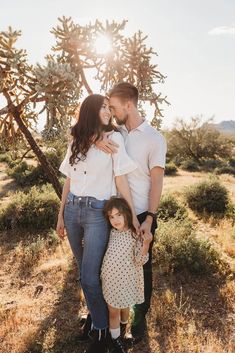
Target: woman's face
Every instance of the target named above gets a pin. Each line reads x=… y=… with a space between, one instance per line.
x=117 y=220
x=105 y=114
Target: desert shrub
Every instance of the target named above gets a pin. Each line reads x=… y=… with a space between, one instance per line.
x=36 y=209
x=170 y=169
x=227 y=169
x=178 y=249
x=189 y=165
x=7 y=158
x=211 y=164
x=208 y=197
x=27 y=175
x=169 y=207
x=232 y=162
x=28 y=254
x=177 y=160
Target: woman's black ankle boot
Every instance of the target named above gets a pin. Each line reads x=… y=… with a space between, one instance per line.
x=99 y=342
x=86 y=328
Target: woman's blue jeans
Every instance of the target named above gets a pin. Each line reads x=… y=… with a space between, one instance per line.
x=88 y=234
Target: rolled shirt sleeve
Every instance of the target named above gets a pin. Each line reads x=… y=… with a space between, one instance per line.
x=65 y=167
x=122 y=163
x=157 y=155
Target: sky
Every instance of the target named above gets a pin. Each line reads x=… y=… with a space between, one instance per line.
x=194 y=39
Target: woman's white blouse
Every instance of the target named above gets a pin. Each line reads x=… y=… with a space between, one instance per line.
x=95 y=176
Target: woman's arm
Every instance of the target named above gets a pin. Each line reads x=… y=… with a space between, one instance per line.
x=124 y=189
x=60 y=221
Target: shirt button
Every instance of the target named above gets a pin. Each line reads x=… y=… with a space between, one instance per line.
x=74 y=169
x=84 y=172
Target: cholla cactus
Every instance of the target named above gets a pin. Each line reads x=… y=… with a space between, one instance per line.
x=58 y=85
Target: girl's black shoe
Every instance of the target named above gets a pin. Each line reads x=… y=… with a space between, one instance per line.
x=118 y=346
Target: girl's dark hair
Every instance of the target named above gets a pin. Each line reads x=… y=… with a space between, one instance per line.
x=88 y=128
x=122 y=206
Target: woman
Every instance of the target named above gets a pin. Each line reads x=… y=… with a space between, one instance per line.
x=92 y=178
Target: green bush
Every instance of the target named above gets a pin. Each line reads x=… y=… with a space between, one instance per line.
x=7 y=158
x=169 y=207
x=225 y=170
x=210 y=164
x=178 y=249
x=189 y=165
x=170 y=169
x=36 y=209
x=208 y=197
x=232 y=162
x=27 y=175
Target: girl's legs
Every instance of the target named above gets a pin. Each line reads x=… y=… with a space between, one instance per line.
x=114 y=317
x=124 y=321
x=125 y=315
x=117 y=316
x=115 y=330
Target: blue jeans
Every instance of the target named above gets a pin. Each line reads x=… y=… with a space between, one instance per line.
x=88 y=234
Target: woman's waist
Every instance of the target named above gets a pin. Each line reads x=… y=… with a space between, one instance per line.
x=80 y=190
x=71 y=197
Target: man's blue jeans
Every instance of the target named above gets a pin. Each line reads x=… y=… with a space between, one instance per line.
x=88 y=234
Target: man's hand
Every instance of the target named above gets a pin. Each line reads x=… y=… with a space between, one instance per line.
x=60 y=229
x=147 y=238
x=107 y=145
x=145 y=227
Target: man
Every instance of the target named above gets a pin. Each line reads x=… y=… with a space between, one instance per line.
x=147 y=147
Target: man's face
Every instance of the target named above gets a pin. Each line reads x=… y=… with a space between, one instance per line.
x=119 y=110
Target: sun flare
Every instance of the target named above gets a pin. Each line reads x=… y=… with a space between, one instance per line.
x=103 y=44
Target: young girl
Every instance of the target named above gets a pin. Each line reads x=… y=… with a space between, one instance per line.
x=122 y=268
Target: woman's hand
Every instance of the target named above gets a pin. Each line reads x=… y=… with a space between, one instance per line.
x=60 y=229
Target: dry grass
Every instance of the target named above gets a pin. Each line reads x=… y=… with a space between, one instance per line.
x=41 y=301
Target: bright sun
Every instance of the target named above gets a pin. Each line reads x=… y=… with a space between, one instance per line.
x=103 y=44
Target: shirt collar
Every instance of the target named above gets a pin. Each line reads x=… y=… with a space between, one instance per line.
x=141 y=127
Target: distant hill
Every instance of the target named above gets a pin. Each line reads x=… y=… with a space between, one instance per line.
x=227 y=126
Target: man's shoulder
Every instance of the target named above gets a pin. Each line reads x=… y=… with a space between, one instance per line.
x=153 y=133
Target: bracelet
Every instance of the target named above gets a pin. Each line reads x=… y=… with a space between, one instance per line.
x=151 y=214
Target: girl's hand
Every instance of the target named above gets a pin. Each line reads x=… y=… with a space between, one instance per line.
x=147 y=238
x=60 y=229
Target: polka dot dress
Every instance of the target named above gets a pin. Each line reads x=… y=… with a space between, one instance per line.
x=122 y=270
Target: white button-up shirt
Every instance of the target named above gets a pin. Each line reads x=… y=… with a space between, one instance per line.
x=95 y=175
x=147 y=148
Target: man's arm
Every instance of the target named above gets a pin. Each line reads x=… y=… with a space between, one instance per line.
x=156 y=175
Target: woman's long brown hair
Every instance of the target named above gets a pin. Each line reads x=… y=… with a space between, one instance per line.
x=88 y=128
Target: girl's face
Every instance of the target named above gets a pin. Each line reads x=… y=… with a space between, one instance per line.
x=117 y=219
x=105 y=114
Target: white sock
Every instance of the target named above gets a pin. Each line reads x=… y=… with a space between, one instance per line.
x=115 y=332
x=124 y=322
